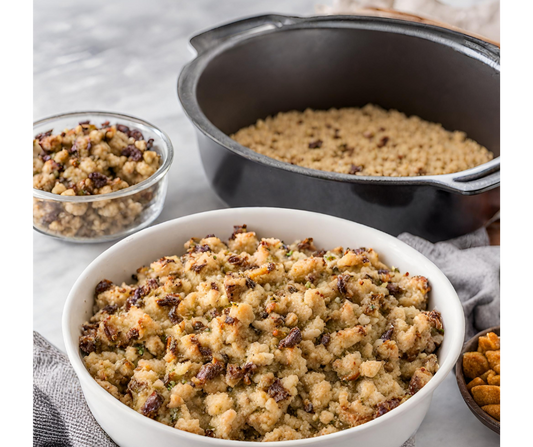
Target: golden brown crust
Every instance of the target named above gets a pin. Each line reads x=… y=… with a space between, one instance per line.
x=261 y=343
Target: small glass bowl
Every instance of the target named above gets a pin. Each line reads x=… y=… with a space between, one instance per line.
x=103 y=217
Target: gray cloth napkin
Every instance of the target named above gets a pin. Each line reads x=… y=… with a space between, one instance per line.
x=61 y=417
x=473 y=268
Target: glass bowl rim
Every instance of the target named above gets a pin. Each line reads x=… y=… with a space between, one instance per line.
x=153 y=179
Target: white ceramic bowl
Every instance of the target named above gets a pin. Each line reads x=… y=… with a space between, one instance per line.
x=130 y=429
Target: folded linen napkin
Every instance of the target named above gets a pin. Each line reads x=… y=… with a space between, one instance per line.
x=61 y=417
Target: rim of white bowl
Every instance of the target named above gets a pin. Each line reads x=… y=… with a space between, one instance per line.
x=83 y=375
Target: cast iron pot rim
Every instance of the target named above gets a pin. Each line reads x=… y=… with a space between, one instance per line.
x=470 y=46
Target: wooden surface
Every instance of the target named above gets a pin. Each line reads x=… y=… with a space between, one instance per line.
x=494 y=232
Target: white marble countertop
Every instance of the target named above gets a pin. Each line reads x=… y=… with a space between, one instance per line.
x=125 y=56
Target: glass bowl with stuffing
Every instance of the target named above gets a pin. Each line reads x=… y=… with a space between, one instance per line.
x=97 y=176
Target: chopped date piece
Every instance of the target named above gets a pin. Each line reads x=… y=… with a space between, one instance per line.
x=135 y=386
x=355 y=169
x=197 y=267
x=133 y=334
x=87 y=344
x=235 y=260
x=206 y=352
x=306 y=244
x=249 y=370
x=418 y=380
x=110 y=332
x=51 y=217
x=209 y=371
x=319 y=253
x=394 y=289
x=153 y=283
x=278 y=392
x=122 y=128
x=40 y=136
x=172 y=345
x=383 y=141
x=250 y=283
x=292 y=289
x=152 y=404
x=169 y=300
x=210 y=433
x=385 y=407
x=105 y=124
x=201 y=248
x=347 y=149
x=73 y=149
x=308 y=407
x=383 y=272
x=89 y=329
x=234 y=372
x=317 y=144
x=81 y=123
x=136 y=299
x=165 y=261
x=326 y=338
x=102 y=286
x=44 y=156
x=135 y=134
x=197 y=325
x=230 y=320
x=238 y=229
x=291 y=340
x=141 y=292
x=132 y=152
x=99 y=180
x=173 y=315
x=110 y=309
x=342 y=281
x=214 y=286
x=387 y=335
x=150 y=143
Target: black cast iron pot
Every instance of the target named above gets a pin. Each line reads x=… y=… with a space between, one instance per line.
x=259 y=66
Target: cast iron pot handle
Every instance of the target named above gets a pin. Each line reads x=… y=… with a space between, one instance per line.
x=208 y=39
x=468 y=187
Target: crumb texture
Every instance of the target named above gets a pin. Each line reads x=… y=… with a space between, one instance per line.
x=363 y=141
x=252 y=339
